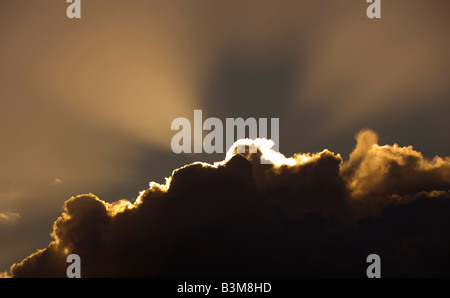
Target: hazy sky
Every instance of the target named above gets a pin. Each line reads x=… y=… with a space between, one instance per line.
x=86 y=105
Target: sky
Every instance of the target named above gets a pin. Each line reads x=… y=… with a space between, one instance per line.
x=87 y=106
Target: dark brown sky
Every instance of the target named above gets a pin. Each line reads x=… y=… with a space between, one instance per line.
x=86 y=105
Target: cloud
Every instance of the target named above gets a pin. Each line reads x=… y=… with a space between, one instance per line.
x=9 y=218
x=379 y=173
x=308 y=215
x=318 y=64
x=57 y=181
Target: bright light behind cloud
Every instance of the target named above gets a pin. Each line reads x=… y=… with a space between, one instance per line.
x=265 y=147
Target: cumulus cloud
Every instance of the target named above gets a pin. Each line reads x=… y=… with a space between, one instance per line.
x=307 y=215
x=378 y=174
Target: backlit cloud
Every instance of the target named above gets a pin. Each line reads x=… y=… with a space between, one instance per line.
x=311 y=214
x=375 y=171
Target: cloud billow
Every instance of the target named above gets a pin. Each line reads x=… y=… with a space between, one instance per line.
x=308 y=215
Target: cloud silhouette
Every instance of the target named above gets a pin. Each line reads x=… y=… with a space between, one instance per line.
x=307 y=215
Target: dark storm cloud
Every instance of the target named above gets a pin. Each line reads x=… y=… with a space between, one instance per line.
x=308 y=215
x=96 y=97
